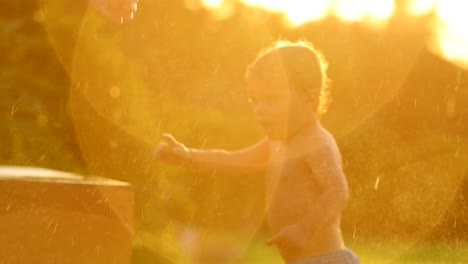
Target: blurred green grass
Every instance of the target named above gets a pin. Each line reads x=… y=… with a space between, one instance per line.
x=368 y=249
x=379 y=251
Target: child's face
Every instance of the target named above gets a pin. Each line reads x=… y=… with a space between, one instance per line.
x=280 y=109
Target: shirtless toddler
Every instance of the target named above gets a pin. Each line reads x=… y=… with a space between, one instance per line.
x=306 y=188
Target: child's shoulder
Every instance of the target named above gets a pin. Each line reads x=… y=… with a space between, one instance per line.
x=316 y=139
x=318 y=145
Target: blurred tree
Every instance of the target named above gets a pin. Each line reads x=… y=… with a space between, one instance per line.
x=36 y=128
x=411 y=165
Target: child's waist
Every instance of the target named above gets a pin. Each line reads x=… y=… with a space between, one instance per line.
x=325 y=239
x=343 y=255
x=283 y=210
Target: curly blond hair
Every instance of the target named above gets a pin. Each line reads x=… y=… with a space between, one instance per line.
x=304 y=67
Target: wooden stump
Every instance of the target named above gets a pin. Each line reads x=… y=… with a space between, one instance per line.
x=49 y=216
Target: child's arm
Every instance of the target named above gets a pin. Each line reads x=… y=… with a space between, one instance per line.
x=327 y=172
x=249 y=160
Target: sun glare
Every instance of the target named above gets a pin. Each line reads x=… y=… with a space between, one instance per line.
x=453 y=50
x=454 y=16
x=349 y=10
x=447 y=17
x=221 y=9
x=367 y=11
x=420 y=7
x=269 y=5
x=213 y=3
x=299 y=12
x=452 y=34
x=380 y=9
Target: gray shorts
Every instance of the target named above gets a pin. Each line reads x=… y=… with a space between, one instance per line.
x=344 y=256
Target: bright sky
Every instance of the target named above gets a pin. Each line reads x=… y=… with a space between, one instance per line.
x=448 y=17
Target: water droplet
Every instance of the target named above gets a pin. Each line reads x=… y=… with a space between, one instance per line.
x=376 y=184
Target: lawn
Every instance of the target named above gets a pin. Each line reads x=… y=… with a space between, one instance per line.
x=374 y=251
x=369 y=250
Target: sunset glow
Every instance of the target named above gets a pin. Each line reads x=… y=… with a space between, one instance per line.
x=221 y=8
x=452 y=34
x=380 y=9
x=349 y=10
x=447 y=19
x=299 y=13
x=420 y=7
x=366 y=11
x=213 y=3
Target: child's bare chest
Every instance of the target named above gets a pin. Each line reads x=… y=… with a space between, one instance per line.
x=290 y=177
x=290 y=188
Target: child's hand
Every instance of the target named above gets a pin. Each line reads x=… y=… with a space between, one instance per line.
x=171 y=151
x=116 y=10
x=291 y=236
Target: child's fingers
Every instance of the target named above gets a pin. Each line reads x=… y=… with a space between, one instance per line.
x=157 y=151
x=170 y=139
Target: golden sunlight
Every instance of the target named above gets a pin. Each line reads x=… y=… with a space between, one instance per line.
x=349 y=10
x=380 y=9
x=373 y=11
x=298 y=13
x=269 y=5
x=221 y=9
x=447 y=18
x=420 y=7
x=213 y=3
x=452 y=34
